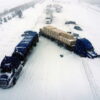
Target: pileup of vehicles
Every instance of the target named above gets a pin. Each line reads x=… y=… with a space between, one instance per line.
x=80 y=46
x=50 y=9
x=11 y=66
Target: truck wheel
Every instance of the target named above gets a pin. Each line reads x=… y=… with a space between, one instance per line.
x=60 y=44
x=37 y=40
x=52 y=39
x=34 y=44
x=14 y=81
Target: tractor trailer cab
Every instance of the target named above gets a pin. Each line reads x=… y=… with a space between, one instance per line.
x=9 y=71
x=84 y=48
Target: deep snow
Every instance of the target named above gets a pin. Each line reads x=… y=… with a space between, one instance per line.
x=47 y=76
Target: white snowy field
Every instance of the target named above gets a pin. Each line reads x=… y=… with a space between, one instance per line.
x=97 y=2
x=47 y=76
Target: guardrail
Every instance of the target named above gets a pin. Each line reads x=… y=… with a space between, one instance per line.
x=16 y=11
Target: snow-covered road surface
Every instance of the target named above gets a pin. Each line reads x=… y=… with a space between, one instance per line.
x=47 y=76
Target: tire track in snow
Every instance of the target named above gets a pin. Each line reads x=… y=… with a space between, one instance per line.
x=91 y=7
x=29 y=78
x=91 y=80
x=89 y=74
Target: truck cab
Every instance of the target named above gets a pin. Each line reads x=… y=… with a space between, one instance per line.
x=9 y=71
x=84 y=48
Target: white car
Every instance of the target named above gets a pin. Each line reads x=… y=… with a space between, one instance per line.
x=48 y=20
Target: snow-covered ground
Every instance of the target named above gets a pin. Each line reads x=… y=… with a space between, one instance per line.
x=47 y=76
x=97 y=2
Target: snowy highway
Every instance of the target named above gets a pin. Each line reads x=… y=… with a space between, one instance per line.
x=47 y=76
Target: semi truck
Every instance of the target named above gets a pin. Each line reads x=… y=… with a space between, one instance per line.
x=80 y=46
x=11 y=66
